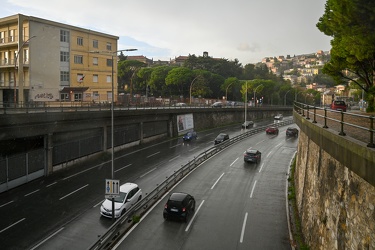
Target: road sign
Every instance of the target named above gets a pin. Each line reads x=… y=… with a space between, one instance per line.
x=112 y=188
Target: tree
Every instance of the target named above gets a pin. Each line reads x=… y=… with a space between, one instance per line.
x=157 y=80
x=351 y=23
x=178 y=80
x=127 y=73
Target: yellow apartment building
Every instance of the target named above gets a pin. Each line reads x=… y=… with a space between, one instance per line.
x=46 y=61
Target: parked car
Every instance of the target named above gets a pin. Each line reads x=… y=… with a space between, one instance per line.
x=179 y=206
x=190 y=136
x=272 y=130
x=338 y=105
x=278 y=117
x=217 y=105
x=130 y=194
x=248 y=124
x=180 y=104
x=221 y=137
x=292 y=132
x=252 y=155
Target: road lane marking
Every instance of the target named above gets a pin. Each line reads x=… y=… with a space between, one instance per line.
x=58 y=231
x=252 y=190
x=192 y=219
x=261 y=167
x=278 y=145
x=217 y=181
x=147 y=173
x=6 y=204
x=268 y=155
x=123 y=167
x=233 y=162
x=32 y=192
x=52 y=184
x=243 y=228
x=193 y=149
x=73 y=192
x=176 y=145
x=174 y=158
x=79 y=173
x=99 y=203
x=12 y=225
x=153 y=154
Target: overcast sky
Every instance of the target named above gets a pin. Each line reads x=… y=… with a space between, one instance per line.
x=248 y=30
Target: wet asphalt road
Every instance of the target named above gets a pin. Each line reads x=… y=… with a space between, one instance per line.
x=62 y=211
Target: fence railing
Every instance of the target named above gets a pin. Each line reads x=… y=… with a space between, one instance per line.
x=353 y=124
x=132 y=216
x=47 y=107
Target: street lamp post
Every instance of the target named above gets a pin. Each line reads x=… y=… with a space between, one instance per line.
x=245 y=106
x=15 y=69
x=191 y=85
x=255 y=90
x=226 y=92
x=113 y=54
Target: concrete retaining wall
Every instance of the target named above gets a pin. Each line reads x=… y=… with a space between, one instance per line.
x=335 y=179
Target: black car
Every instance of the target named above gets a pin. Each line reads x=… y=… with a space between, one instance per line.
x=292 y=132
x=248 y=124
x=252 y=155
x=221 y=137
x=179 y=206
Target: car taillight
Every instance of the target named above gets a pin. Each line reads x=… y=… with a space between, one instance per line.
x=166 y=206
x=183 y=209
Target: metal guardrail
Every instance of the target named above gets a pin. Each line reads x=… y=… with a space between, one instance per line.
x=358 y=126
x=132 y=216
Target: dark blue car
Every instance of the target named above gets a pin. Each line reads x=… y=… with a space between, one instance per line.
x=190 y=136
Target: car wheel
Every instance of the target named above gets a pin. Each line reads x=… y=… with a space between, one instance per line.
x=186 y=217
x=140 y=198
x=123 y=211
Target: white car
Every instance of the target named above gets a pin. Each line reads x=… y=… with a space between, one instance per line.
x=130 y=194
x=278 y=117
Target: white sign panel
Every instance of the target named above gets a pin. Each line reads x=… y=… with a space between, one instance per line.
x=112 y=188
x=185 y=122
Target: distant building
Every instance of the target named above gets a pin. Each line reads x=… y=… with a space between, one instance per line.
x=44 y=60
x=143 y=59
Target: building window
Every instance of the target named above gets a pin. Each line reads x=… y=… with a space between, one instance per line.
x=95 y=78
x=64 y=97
x=95 y=43
x=11 y=37
x=64 y=56
x=80 y=41
x=64 y=76
x=78 y=59
x=77 y=97
x=109 y=46
x=80 y=77
x=109 y=62
x=109 y=79
x=26 y=56
x=64 y=36
x=2 y=79
x=95 y=61
x=2 y=36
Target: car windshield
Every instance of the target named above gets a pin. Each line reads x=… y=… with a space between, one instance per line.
x=188 y=134
x=121 y=198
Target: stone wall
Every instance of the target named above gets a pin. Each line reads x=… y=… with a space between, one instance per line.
x=335 y=202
